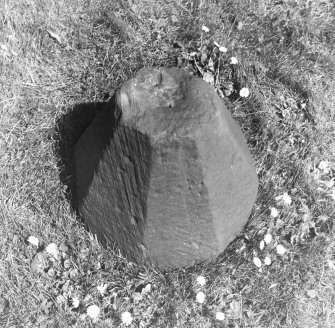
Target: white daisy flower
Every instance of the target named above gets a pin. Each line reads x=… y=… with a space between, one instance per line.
x=93 y=311
x=126 y=318
x=75 y=302
x=274 y=212
x=200 y=297
x=285 y=198
x=257 y=262
x=233 y=61
x=220 y=316
x=33 y=240
x=323 y=165
x=280 y=250
x=102 y=288
x=201 y=280
x=205 y=28
x=262 y=245
x=52 y=249
x=267 y=260
x=244 y=92
x=267 y=238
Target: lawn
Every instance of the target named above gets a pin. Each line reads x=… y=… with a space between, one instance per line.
x=61 y=60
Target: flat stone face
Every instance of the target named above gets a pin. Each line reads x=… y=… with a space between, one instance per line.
x=164 y=171
x=179 y=229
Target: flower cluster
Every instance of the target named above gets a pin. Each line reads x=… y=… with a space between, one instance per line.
x=216 y=64
x=201 y=297
x=52 y=261
x=267 y=240
x=267 y=243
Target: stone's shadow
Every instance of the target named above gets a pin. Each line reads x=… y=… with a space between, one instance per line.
x=89 y=150
x=106 y=167
x=68 y=129
x=113 y=167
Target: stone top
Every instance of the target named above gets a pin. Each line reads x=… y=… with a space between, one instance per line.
x=162 y=93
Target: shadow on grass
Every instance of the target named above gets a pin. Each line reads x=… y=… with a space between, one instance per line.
x=106 y=167
x=69 y=127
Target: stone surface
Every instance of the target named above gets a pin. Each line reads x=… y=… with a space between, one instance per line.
x=164 y=171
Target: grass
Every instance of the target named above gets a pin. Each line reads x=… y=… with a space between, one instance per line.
x=59 y=60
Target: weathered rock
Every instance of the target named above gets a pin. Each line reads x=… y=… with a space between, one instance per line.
x=164 y=171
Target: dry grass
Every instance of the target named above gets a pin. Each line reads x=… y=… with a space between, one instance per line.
x=60 y=59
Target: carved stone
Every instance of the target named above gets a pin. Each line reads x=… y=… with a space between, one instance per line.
x=164 y=171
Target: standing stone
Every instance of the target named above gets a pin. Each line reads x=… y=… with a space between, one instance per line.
x=164 y=171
